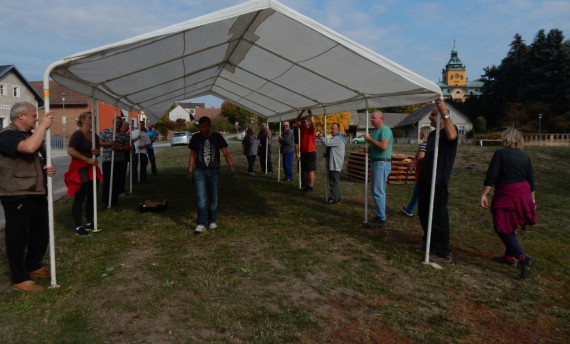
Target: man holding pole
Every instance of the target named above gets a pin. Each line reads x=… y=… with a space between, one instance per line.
x=308 y=150
x=287 y=147
x=141 y=141
x=335 y=157
x=264 y=137
x=23 y=193
x=119 y=145
x=446 y=158
x=381 y=158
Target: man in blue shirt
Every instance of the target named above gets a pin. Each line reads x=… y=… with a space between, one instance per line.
x=381 y=157
x=150 y=149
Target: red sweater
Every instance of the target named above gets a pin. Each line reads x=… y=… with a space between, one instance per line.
x=72 y=179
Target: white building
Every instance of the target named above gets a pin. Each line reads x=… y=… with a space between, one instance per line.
x=420 y=118
x=14 y=88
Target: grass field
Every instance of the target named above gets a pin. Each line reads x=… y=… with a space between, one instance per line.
x=283 y=268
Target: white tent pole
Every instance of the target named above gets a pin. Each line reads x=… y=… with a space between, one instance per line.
x=280 y=155
x=327 y=158
x=432 y=190
x=139 y=165
x=94 y=115
x=113 y=156
x=49 y=179
x=366 y=170
x=299 y=162
x=266 y=148
x=130 y=155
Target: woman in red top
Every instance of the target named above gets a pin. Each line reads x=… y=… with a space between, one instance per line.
x=79 y=177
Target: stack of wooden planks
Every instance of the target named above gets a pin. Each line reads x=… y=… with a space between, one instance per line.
x=398 y=175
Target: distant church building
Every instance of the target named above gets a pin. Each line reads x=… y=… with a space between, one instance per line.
x=454 y=83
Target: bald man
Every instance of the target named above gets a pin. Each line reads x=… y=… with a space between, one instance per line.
x=380 y=149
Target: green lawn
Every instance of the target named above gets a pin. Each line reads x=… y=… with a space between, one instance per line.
x=284 y=268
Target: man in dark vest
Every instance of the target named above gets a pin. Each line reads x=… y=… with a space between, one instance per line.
x=23 y=193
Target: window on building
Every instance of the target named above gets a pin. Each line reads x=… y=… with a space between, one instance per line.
x=17 y=91
x=3 y=90
x=461 y=130
x=192 y=111
x=457 y=92
x=450 y=77
x=461 y=77
x=2 y=122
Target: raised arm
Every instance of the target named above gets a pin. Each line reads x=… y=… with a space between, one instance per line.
x=32 y=143
x=298 y=119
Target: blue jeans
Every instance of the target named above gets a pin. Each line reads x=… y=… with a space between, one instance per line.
x=414 y=201
x=380 y=172
x=207 y=194
x=288 y=165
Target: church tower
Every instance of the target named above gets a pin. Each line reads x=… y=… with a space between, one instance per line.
x=454 y=72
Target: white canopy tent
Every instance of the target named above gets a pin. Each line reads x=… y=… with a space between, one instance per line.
x=259 y=55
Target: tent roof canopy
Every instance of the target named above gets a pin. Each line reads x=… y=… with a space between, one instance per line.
x=259 y=55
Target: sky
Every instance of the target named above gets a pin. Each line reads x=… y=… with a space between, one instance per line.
x=418 y=35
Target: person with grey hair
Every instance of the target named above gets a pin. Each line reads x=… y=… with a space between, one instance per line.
x=264 y=137
x=335 y=157
x=444 y=164
x=23 y=193
x=510 y=171
x=286 y=141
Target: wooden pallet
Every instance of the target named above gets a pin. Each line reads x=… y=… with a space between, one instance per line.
x=398 y=175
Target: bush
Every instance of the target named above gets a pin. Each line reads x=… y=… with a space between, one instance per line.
x=397 y=133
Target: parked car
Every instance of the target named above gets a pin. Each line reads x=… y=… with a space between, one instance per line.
x=358 y=139
x=180 y=138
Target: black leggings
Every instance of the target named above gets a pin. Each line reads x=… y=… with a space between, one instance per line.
x=251 y=162
x=85 y=191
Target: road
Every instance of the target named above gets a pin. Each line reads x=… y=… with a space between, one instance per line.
x=61 y=161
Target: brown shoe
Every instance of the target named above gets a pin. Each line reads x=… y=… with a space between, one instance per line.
x=28 y=287
x=41 y=272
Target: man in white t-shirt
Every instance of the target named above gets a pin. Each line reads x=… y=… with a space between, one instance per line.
x=141 y=141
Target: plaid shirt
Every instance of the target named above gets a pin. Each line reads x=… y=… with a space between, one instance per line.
x=121 y=140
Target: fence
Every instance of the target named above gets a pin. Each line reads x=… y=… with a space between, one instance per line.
x=547 y=140
x=462 y=141
x=57 y=142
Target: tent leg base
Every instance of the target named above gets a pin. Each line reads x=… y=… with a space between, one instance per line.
x=53 y=286
x=433 y=265
x=365 y=224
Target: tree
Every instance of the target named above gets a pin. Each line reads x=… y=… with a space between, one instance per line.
x=342 y=118
x=221 y=124
x=234 y=113
x=480 y=125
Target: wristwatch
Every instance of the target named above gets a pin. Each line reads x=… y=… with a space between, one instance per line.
x=446 y=117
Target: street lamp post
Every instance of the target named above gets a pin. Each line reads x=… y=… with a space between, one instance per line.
x=63 y=116
x=539 y=124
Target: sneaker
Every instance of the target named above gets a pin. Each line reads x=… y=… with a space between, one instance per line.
x=405 y=211
x=213 y=225
x=81 y=231
x=525 y=265
x=270 y=173
x=332 y=201
x=376 y=223
x=28 y=287
x=504 y=260
x=41 y=272
x=438 y=259
x=307 y=192
x=287 y=180
x=200 y=229
x=122 y=194
x=89 y=228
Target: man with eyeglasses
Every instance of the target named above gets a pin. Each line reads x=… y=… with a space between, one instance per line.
x=286 y=140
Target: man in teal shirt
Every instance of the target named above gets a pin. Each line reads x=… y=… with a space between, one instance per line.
x=380 y=149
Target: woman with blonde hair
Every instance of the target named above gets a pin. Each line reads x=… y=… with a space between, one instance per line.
x=424 y=134
x=79 y=177
x=510 y=172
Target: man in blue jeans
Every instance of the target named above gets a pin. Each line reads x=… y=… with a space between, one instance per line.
x=204 y=169
x=286 y=140
x=381 y=156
